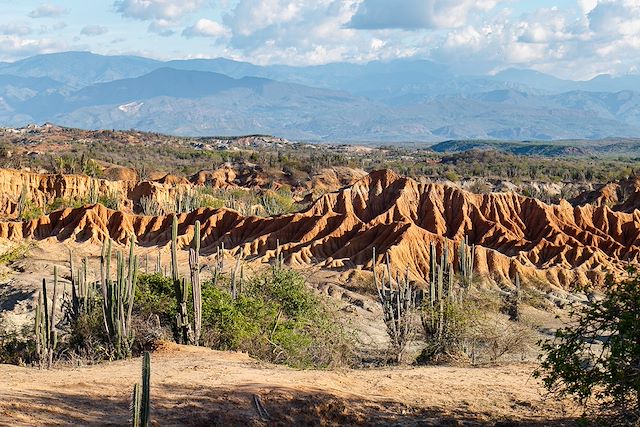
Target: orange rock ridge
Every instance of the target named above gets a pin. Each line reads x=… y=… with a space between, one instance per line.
x=555 y=244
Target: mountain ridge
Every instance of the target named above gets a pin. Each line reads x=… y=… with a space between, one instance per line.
x=401 y=100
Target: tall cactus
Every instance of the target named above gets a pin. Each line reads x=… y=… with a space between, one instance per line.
x=118 y=297
x=237 y=275
x=45 y=331
x=181 y=288
x=516 y=296
x=279 y=262
x=141 y=400
x=22 y=201
x=194 y=267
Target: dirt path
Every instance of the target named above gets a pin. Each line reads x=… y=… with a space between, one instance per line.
x=195 y=386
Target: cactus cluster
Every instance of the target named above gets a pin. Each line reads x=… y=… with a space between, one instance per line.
x=82 y=291
x=398 y=305
x=441 y=294
x=466 y=256
x=117 y=297
x=140 y=400
x=93 y=192
x=45 y=324
x=446 y=294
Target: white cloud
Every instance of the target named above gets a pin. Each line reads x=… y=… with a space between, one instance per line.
x=56 y=26
x=167 y=10
x=301 y=32
x=48 y=10
x=13 y=47
x=206 y=28
x=94 y=30
x=162 y=27
x=16 y=28
x=416 y=14
x=165 y=15
x=587 y=6
x=615 y=17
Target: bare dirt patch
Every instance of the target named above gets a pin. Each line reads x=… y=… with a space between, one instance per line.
x=197 y=386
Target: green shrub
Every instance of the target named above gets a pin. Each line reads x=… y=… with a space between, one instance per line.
x=30 y=211
x=276 y=318
x=15 y=349
x=155 y=296
x=61 y=202
x=15 y=253
x=111 y=201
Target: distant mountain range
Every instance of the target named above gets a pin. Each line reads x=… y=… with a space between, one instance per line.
x=396 y=101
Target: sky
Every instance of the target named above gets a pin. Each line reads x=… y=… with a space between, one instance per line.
x=574 y=39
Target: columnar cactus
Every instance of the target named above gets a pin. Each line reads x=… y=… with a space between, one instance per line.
x=118 y=297
x=279 y=262
x=516 y=296
x=141 y=401
x=237 y=275
x=466 y=255
x=181 y=288
x=45 y=320
x=194 y=267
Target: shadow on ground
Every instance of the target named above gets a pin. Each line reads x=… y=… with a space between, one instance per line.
x=248 y=405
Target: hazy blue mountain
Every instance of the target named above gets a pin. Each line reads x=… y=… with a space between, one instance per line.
x=534 y=79
x=78 y=69
x=401 y=100
x=607 y=83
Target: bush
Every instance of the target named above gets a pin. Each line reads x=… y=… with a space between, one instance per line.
x=276 y=318
x=598 y=356
x=14 y=254
x=15 y=349
x=460 y=321
x=30 y=211
x=86 y=338
x=155 y=310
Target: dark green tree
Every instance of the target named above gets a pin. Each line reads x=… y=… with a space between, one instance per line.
x=596 y=358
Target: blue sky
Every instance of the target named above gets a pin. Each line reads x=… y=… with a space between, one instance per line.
x=568 y=38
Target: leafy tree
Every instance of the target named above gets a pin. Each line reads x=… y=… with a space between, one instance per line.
x=597 y=357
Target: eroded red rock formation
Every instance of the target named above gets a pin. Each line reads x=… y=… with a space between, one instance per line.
x=552 y=244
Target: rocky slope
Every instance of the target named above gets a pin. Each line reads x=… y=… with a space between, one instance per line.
x=556 y=245
x=623 y=195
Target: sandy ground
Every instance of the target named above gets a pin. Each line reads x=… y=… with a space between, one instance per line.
x=201 y=387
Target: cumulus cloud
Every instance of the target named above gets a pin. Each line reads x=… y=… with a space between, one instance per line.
x=615 y=16
x=416 y=14
x=48 y=10
x=206 y=28
x=94 y=30
x=56 y=26
x=162 y=27
x=14 y=47
x=15 y=28
x=165 y=15
x=167 y=10
x=298 y=32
